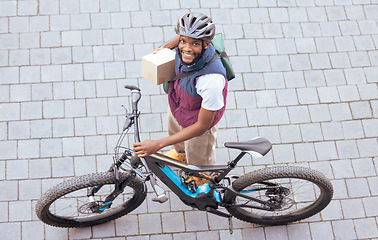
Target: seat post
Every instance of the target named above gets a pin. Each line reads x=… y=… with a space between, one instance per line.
x=231 y=165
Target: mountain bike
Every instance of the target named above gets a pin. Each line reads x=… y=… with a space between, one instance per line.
x=270 y=196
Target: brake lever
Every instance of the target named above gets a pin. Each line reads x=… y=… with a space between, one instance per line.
x=129 y=119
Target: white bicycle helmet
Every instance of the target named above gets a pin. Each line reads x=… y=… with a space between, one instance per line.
x=196 y=25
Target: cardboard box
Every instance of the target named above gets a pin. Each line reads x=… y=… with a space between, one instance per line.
x=159 y=67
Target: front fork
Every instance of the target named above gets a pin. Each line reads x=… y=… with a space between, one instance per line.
x=118 y=189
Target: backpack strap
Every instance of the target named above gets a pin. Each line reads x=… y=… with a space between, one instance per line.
x=182 y=75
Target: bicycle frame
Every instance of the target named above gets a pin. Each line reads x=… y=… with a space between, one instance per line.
x=206 y=198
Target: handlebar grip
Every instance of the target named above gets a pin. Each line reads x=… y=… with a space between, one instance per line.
x=132 y=87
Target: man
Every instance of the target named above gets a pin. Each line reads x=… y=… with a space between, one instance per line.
x=196 y=102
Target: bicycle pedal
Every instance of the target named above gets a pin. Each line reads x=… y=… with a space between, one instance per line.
x=160 y=199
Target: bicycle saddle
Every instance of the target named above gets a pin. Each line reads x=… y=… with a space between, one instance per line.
x=258 y=146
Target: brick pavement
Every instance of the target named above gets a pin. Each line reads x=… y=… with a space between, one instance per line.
x=306 y=79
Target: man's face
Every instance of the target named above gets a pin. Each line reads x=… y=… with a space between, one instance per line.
x=190 y=49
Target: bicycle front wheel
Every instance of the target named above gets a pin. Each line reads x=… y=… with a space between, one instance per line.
x=293 y=193
x=68 y=205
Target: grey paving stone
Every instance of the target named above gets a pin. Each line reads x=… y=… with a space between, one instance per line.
x=283 y=153
x=347 y=149
x=319 y=113
x=326 y=150
x=352 y=129
x=367 y=91
x=342 y=169
x=278 y=116
x=321 y=230
x=367 y=147
x=332 y=130
x=2 y=168
x=32 y=230
x=272 y=30
x=323 y=167
x=287 y=97
x=292 y=30
x=11 y=230
x=53 y=109
x=311 y=30
x=39 y=168
x=259 y=15
x=348 y=93
x=298 y=114
x=80 y=233
x=300 y=62
x=361 y=110
x=173 y=222
x=363 y=167
x=62 y=167
x=305 y=45
x=286 y=46
x=271 y=133
x=150 y=223
x=28 y=149
x=20 y=211
x=304 y=152
x=192 y=223
x=290 y=133
x=340 y=111
x=95 y=145
x=274 y=80
x=357 y=187
x=266 y=98
x=320 y=61
x=17 y=169
x=299 y=231
x=127 y=225
x=311 y=132
x=10 y=190
x=63 y=127
x=104 y=230
x=73 y=146
x=257 y=117
x=369 y=129
x=276 y=232
x=19 y=130
x=294 y=79
x=369 y=204
x=9 y=75
x=352 y=208
x=236 y=118
x=41 y=128
x=363 y=230
x=325 y=44
x=340 y=60
x=344 y=229
x=4 y=208
x=355 y=76
x=259 y=64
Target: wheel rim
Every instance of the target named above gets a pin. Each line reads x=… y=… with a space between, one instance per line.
x=74 y=206
x=302 y=196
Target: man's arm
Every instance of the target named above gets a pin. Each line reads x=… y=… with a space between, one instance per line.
x=148 y=147
x=171 y=44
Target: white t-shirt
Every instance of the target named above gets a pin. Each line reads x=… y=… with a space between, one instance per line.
x=210 y=88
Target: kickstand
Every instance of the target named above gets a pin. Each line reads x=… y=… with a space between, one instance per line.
x=230 y=225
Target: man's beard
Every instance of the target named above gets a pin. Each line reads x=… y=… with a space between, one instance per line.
x=197 y=57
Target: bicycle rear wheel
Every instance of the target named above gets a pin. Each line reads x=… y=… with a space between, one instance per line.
x=67 y=204
x=296 y=193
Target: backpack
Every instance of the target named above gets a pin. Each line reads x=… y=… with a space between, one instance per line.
x=218 y=44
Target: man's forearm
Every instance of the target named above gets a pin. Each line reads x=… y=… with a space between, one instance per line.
x=171 y=44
